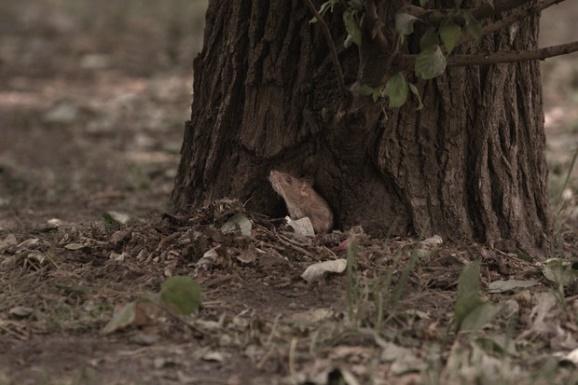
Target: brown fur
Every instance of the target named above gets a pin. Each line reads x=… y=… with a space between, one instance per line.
x=302 y=201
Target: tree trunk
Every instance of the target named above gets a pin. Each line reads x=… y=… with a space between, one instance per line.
x=468 y=166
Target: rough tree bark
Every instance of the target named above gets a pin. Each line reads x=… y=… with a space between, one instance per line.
x=469 y=166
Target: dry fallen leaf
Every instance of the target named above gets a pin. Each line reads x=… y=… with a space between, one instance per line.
x=510 y=285
x=132 y=314
x=301 y=226
x=247 y=256
x=21 y=312
x=8 y=241
x=75 y=246
x=238 y=222
x=213 y=357
x=318 y=270
x=436 y=240
x=209 y=259
x=311 y=316
x=29 y=243
x=118 y=217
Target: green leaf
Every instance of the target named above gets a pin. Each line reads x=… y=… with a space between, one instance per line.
x=429 y=40
x=450 y=34
x=348 y=41
x=430 y=63
x=415 y=92
x=181 y=294
x=559 y=271
x=479 y=317
x=355 y=4
x=471 y=312
x=396 y=89
x=473 y=26
x=404 y=23
x=352 y=26
x=366 y=90
x=498 y=345
x=468 y=296
x=328 y=5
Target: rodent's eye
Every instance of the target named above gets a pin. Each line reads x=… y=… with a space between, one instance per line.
x=288 y=178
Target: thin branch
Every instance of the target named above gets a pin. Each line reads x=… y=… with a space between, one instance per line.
x=512 y=57
x=513 y=17
x=503 y=57
x=498 y=8
x=518 y=14
x=330 y=43
x=507 y=5
x=520 y=9
x=481 y=12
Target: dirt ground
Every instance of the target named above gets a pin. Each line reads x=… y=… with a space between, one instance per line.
x=93 y=100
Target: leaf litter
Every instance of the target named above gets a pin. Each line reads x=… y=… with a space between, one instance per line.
x=259 y=322
x=254 y=299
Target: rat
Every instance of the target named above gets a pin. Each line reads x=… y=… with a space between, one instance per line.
x=302 y=200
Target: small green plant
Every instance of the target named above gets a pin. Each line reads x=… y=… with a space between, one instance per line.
x=562 y=273
x=353 y=282
x=388 y=295
x=471 y=310
x=422 y=41
x=376 y=301
x=559 y=203
x=179 y=296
